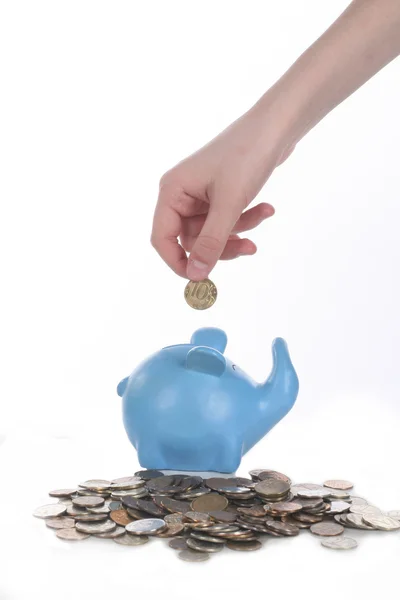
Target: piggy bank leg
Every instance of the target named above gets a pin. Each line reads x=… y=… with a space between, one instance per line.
x=227 y=459
x=149 y=456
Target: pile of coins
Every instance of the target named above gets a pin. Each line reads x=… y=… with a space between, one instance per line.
x=203 y=516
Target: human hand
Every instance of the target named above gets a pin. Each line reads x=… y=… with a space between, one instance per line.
x=202 y=200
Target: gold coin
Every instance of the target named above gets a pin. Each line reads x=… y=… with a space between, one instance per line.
x=200 y=294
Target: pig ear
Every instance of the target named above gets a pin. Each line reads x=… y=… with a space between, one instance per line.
x=210 y=336
x=122 y=386
x=206 y=360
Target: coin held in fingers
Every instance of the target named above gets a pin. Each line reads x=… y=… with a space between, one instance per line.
x=200 y=294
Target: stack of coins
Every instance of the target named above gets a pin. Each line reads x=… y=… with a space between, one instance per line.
x=201 y=517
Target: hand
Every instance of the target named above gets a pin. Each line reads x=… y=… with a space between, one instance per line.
x=202 y=200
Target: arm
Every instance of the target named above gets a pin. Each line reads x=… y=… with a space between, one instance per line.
x=364 y=39
x=202 y=200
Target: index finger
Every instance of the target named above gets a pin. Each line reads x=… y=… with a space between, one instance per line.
x=167 y=224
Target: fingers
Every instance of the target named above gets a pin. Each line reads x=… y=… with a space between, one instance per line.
x=164 y=238
x=238 y=247
x=248 y=220
x=213 y=237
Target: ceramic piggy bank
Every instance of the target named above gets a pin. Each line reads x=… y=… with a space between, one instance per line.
x=188 y=407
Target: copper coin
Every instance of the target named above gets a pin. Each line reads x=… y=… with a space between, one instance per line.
x=272 y=487
x=222 y=516
x=244 y=546
x=197 y=517
x=306 y=518
x=71 y=535
x=338 y=484
x=263 y=475
x=327 y=528
x=283 y=507
x=60 y=523
x=209 y=502
x=65 y=493
x=85 y=501
x=178 y=543
x=131 y=540
x=120 y=517
x=283 y=528
x=172 y=530
x=299 y=524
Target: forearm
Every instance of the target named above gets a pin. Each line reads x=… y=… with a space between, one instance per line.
x=362 y=41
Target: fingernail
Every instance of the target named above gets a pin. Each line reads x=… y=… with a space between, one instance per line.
x=197 y=269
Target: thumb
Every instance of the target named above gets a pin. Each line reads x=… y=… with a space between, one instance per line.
x=212 y=240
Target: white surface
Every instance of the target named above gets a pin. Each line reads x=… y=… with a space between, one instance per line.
x=37 y=564
x=98 y=100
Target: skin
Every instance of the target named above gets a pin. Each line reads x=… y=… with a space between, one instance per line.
x=202 y=203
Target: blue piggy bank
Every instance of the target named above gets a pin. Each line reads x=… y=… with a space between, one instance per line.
x=188 y=407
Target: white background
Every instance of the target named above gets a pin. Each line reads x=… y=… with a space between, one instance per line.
x=97 y=100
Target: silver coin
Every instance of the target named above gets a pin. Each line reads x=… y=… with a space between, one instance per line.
x=201 y=546
x=50 y=510
x=103 y=527
x=91 y=518
x=356 y=500
x=99 y=510
x=118 y=531
x=75 y=512
x=96 y=484
x=198 y=535
x=178 y=543
x=244 y=546
x=64 y=493
x=174 y=518
x=88 y=501
x=66 y=501
x=146 y=526
x=338 y=507
x=131 y=540
x=360 y=509
x=71 y=535
x=357 y=521
x=193 y=556
x=383 y=522
x=339 y=543
x=60 y=523
x=128 y=484
x=136 y=493
x=395 y=514
x=338 y=494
